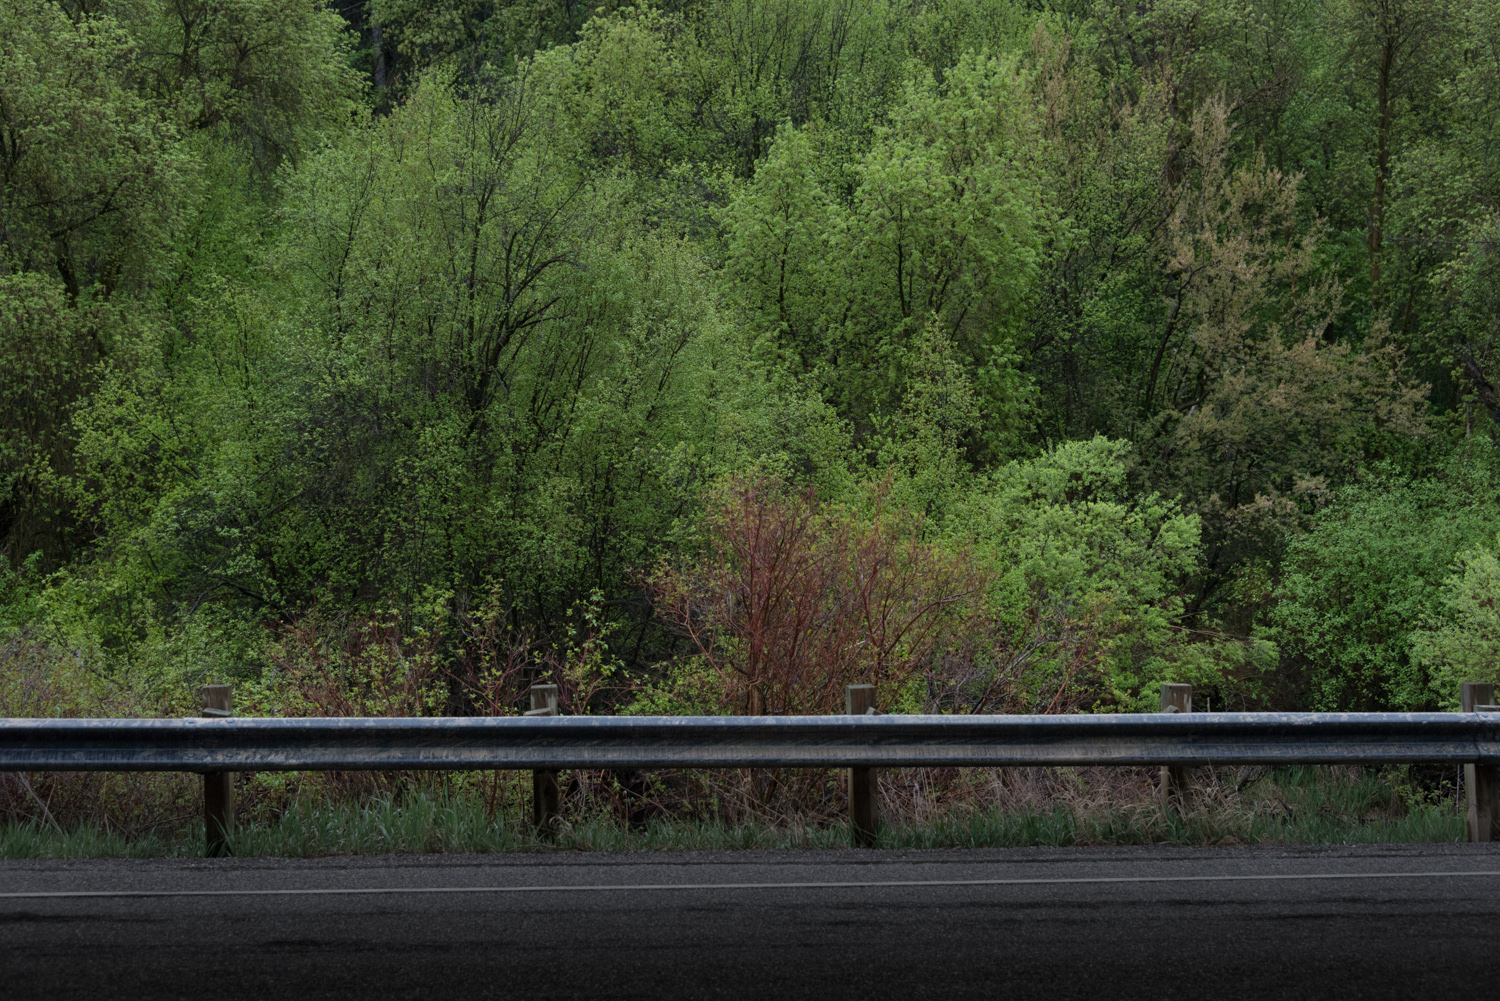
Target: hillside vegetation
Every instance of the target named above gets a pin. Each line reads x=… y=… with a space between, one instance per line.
x=707 y=356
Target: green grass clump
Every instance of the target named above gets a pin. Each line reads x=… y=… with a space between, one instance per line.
x=32 y=840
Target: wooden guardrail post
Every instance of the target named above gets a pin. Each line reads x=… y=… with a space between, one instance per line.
x=218 y=787
x=1482 y=782
x=859 y=700
x=546 y=798
x=1173 y=781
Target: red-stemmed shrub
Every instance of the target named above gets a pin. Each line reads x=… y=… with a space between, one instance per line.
x=794 y=599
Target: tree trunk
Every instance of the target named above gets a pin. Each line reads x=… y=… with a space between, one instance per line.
x=376 y=43
x=1383 y=100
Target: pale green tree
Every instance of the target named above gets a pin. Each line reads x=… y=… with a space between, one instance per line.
x=1463 y=643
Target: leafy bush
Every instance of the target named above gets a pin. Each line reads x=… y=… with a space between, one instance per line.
x=1089 y=578
x=1358 y=588
x=1463 y=642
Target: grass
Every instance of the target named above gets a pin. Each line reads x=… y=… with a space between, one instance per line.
x=32 y=840
x=1294 y=806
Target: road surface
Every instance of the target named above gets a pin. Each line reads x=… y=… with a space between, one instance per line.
x=1097 y=923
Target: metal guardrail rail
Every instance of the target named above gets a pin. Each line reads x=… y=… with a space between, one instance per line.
x=558 y=742
x=861 y=740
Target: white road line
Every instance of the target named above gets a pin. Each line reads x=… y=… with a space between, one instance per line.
x=650 y=887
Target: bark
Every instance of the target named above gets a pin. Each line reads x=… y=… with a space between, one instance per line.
x=1161 y=351
x=1384 y=121
x=1484 y=388
x=376 y=44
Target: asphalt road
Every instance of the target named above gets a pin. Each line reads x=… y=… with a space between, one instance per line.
x=1368 y=922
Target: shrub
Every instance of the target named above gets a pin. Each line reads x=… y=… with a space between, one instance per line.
x=1356 y=589
x=795 y=599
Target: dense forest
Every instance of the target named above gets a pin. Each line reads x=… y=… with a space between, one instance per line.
x=708 y=355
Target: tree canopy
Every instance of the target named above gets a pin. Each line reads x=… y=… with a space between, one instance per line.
x=1102 y=345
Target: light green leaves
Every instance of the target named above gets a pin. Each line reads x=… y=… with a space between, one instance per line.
x=941 y=226
x=1091 y=577
x=1464 y=644
x=1360 y=588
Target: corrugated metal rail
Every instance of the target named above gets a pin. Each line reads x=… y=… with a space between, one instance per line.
x=250 y=744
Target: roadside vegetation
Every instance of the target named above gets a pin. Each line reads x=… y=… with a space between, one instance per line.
x=707 y=356
x=1018 y=808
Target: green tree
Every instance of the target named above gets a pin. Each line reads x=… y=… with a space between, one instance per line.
x=92 y=186
x=1091 y=579
x=52 y=352
x=941 y=226
x=1463 y=643
x=462 y=364
x=92 y=180
x=271 y=75
x=1369 y=577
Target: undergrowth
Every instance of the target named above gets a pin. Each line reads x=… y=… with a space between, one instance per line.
x=1294 y=806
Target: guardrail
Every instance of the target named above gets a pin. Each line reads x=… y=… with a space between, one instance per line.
x=546 y=743
x=269 y=745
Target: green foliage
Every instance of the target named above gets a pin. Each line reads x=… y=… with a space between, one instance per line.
x=53 y=352
x=92 y=179
x=271 y=75
x=1092 y=575
x=470 y=305
x=20 y=594
x=1465 y=332
x=941 y=226
x=923 y=442
x=1463 y=644
x=461 y=362
x=470 y=36
x=1359 y=587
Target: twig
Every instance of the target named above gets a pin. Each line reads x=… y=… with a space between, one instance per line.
x=21 y=778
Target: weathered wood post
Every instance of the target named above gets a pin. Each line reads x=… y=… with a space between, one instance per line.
x=859 y=700
x=218 y=787
x=546 y=798
x=1482 y=782
x=1173 y=782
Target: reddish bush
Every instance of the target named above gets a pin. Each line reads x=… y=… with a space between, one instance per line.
x=795 y=599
